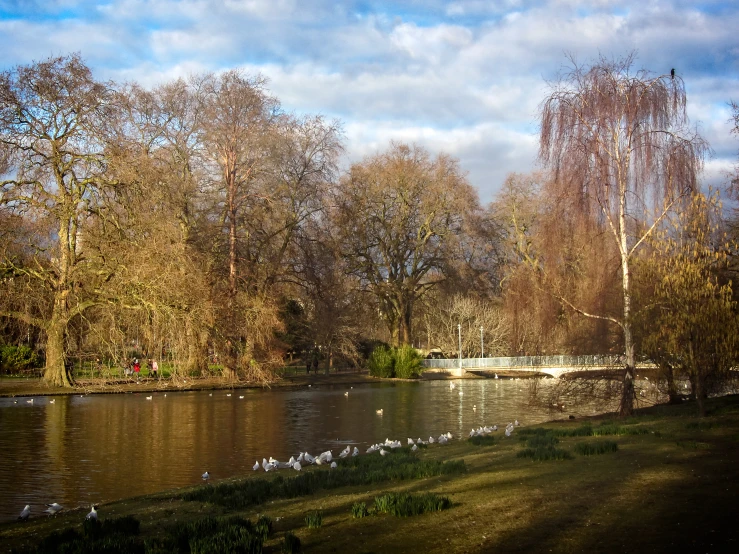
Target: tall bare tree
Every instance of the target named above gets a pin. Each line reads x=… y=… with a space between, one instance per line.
x=620 y=142
x=400 y=215
x=52 y=117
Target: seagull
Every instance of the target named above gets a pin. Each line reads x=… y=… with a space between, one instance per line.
x=54 y=508
x=211 y=394
x=29 y=401
x=383 y=452
x=206 y=476
x=241 y=397
x=346 y=393
x=149 y=397
x=25 y=513
x=297 y=466
x=451 y=386
x=256 y=465
x=414 y=448
x=410 y=442
x=378 y=412
x=355 y=452
x=474 y=408
x=229 y=394
x=93 y=513
x=52 y=401
x=333 y=465
x=496 y=375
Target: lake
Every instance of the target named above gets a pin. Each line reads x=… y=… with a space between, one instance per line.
x=98 y=448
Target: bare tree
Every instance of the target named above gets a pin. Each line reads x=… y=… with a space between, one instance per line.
x=620 y=143
x=52 y=120
x=399 y=215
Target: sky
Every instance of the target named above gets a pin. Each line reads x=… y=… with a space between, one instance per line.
x=464 y=77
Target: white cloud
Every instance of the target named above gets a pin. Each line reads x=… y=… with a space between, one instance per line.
x=464 y=76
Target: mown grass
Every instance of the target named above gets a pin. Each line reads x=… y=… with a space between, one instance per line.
x=650 y=495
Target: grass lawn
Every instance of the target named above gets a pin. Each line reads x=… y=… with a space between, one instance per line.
x=669 y=484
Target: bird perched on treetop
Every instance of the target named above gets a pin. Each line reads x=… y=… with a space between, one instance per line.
x=672 y=73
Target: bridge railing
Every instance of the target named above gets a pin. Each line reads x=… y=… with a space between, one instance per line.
x=503 y=362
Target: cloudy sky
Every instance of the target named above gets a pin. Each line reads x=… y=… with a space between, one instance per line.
x=465 y=77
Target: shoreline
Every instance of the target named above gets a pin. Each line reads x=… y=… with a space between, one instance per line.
x=671 y=474
x=17 y=387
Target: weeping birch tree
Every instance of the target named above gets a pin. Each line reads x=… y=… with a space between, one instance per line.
x=620 y=142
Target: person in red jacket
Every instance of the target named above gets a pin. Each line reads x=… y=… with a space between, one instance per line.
x=136 y=368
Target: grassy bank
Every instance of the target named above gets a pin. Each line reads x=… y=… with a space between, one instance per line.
x=660 y=481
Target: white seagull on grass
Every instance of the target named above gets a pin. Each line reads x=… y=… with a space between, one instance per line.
x=54 y=508
x=25 y=513
x=93 y=513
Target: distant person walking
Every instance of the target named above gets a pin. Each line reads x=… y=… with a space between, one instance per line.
x=154 y=368
x=136 y=368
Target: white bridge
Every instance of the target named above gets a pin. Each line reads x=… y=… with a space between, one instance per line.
x=554 y=366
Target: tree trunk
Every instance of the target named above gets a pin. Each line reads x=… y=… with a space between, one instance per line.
x=56 y=373
x=196 y=351
x=627 y=392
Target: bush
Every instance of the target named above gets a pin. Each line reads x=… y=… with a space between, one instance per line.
x=18 y=358
x=403 y=362
x=291 y=544
x=404 y=504
x=314 y=520
x=381 y=363
x=597 y=447
x=407 y=362
x=359 y=510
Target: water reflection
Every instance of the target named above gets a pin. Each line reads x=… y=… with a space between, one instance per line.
x=84 y=450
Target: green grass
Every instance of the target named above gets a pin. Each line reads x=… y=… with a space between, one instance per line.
x=640 y=499
x=480 y=440
x=404 y=504
x=359 y=510
x=362 y=470
x=544 y=454
x=290 y=544
x=314 y=520
x=596 y=447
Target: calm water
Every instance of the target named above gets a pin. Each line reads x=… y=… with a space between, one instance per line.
x=99 y=448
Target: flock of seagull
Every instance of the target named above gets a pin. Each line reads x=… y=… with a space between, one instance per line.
x=53 y=509
x=325 y=458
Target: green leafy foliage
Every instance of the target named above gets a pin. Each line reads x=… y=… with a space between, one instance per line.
x=18 y=358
